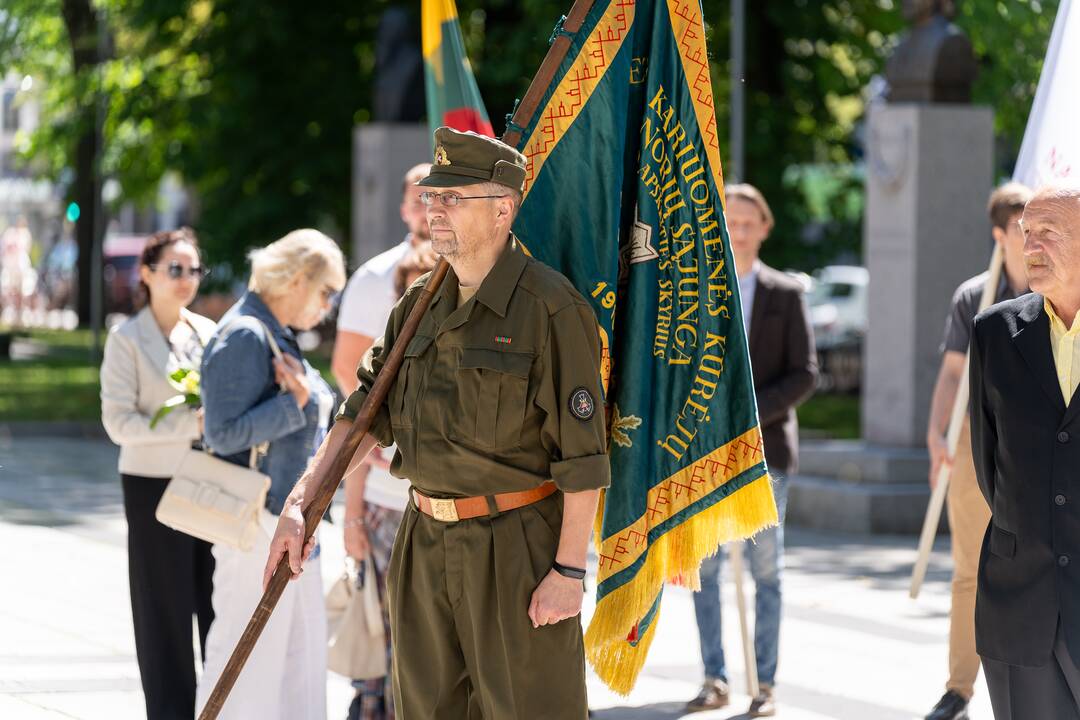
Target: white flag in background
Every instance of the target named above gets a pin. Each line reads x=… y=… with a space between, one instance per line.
x=1051 y=148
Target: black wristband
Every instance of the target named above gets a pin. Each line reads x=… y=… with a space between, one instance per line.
x=570 y=572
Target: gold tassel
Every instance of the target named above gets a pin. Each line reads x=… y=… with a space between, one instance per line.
x=678 y=552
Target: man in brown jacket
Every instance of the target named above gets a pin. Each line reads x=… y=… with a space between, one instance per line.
x=785 y=370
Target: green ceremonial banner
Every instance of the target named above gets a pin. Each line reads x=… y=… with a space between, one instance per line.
x=624 y=195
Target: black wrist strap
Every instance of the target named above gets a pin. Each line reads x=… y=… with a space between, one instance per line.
x=570 y=572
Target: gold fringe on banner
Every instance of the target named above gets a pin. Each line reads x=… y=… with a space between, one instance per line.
x=675 y=555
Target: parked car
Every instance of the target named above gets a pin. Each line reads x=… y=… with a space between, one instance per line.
x=838 y=314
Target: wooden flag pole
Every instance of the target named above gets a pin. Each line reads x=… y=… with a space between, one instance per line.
x=315 y=510
x=555 y=55
x=952 y=438
x=749 y=656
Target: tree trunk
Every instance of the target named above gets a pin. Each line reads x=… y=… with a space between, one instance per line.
x=82 y=28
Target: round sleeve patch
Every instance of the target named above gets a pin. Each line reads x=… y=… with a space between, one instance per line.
x=582 y=404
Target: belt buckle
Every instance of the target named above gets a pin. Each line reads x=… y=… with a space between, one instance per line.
x=443 y=509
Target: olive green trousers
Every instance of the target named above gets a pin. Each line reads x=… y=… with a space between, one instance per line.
x=464 y=647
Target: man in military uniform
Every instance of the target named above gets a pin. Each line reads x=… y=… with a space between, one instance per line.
x=498 y=418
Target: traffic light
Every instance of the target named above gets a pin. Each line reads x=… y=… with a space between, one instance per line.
x=73 y=212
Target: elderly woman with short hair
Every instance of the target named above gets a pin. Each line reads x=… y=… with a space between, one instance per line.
x=252 y=398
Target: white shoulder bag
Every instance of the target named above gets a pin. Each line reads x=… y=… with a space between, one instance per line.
x=216 y=500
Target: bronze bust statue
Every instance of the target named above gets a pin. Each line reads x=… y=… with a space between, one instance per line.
x=934 y=62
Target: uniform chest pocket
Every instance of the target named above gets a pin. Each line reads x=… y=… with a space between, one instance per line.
x=493 y=386
x=408 y=382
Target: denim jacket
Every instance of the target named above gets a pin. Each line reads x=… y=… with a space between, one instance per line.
x=244 y=406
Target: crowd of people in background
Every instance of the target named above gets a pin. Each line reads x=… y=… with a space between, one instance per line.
x=37 y=279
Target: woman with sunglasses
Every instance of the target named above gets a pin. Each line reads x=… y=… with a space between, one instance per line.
x=253 y=398
x=170 y=573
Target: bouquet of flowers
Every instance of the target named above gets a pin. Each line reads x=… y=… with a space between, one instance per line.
x=186 y=382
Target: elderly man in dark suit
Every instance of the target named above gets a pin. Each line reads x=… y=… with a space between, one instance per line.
x=785 y=369
x=1025 y=438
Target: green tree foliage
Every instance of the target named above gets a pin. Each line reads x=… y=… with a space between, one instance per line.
x=808 y=66
x=1010 y=38
x=254 y=102
x=60 y=40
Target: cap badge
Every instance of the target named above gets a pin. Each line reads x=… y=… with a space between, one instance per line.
x=440 y=156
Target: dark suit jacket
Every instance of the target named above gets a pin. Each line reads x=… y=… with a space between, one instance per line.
x=784 y=364
x=1026 y=447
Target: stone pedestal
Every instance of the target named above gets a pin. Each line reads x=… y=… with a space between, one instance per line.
x=382 y=154
x=851 y=486
x=929 y=174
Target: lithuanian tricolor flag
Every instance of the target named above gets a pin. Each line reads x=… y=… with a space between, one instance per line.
x=453 y=99
x=624 y=196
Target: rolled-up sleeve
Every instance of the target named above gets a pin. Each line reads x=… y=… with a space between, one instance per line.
x=570 y=394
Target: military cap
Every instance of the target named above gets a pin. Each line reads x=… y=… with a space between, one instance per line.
x=465 y=158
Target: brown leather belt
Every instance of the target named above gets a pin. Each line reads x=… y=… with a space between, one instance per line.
x=453 y=510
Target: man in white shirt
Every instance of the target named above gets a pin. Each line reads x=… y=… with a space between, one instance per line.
x=369 y=296
x=374 y=499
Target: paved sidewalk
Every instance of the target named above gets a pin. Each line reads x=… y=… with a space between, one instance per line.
x=853 y=645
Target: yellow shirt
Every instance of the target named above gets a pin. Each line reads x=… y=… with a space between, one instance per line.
x=1065 y=344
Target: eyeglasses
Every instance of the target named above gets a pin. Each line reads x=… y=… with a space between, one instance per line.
x=451 y=199
x=176 y=271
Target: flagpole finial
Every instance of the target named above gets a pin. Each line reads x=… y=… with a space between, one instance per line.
x=559 y=30
x=512 y=126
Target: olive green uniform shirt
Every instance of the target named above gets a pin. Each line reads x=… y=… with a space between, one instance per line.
x=497 y=395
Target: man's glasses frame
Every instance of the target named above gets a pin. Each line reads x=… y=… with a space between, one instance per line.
x=451 y=199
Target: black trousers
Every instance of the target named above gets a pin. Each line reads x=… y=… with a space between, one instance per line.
x=171 y=577
x=1051 y=691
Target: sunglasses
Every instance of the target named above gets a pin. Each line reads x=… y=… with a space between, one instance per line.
x=176 y=271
